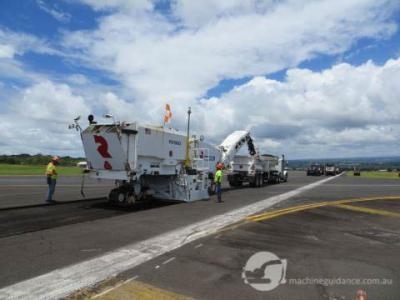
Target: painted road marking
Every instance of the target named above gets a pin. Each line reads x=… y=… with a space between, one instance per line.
x=369 y=210
x=64 y=281
x=198 y=246
x=112 y=288
x=168 y=260
x=294 y=209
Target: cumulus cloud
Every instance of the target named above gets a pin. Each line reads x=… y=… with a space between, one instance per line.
x=158 y=59
x=176 y=56
x=36 y=121
x=195 y=14
x=24 y=135
x=342 y=106
x=50 y=102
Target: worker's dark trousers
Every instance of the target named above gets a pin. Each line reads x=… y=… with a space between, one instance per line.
x=52 y=187
x=218 y=191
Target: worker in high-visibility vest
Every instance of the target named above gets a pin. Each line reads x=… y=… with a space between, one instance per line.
x=218 y=181
x=51 y=177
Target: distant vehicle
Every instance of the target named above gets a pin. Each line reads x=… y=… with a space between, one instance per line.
x=82 y=164
x=330 y=169
x=356 y=171
x=315 y=170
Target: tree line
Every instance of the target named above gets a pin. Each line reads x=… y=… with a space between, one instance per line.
x=38 y=159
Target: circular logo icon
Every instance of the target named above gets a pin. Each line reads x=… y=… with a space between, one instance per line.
x=264 y=271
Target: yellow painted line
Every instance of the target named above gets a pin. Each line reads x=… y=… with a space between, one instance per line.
x=293 y=209
x=369 y=210
x=138 y=290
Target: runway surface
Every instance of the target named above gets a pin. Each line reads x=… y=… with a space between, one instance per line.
x=323 y=242
x=32 y=190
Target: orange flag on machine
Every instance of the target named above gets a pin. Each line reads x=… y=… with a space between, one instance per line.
x=168 y=114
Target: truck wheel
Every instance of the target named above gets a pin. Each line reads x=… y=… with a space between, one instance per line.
x=286 y=178
x=122 y=198
x=260 y=180
x=113 y=196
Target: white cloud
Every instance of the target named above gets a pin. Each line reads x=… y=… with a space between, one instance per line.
x=131 y=5
x=159 y=60
x=6 y=51
x=78 y=79
x=55 y=13
x=25 y=135
x=175 y=59
x=195 y=14
x=36 y=121
x=49 y=102
x=342 y=106
x=14 y=43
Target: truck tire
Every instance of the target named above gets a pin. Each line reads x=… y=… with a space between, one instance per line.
x=260 y=180
x=253 y=182
x=285 y=178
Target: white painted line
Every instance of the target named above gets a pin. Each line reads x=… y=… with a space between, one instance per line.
x=157 y=267
x=113 y=288
x=105 y=292
x=64 y=281
x=90 y=250
x=168 y=260
x=198 y=246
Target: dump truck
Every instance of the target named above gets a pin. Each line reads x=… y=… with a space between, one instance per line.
x=256 y=170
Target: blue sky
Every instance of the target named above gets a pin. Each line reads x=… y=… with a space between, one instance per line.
x=309 y=78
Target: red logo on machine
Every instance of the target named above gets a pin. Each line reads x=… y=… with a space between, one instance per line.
x=103 y=150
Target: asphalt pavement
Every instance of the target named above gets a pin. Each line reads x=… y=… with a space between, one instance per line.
x=18 y=191
x=320 y=243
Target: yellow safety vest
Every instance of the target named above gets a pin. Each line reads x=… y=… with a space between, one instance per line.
x=218 y=176
x=51 y=170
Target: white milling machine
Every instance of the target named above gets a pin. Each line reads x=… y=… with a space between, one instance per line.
x=155 y=161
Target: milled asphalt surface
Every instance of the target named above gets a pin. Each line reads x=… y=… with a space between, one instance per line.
x=323 y=243
x=34 y=253
x=32 y=190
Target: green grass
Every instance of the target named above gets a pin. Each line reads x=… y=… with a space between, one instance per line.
x=36 y=170
x=377 y=174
